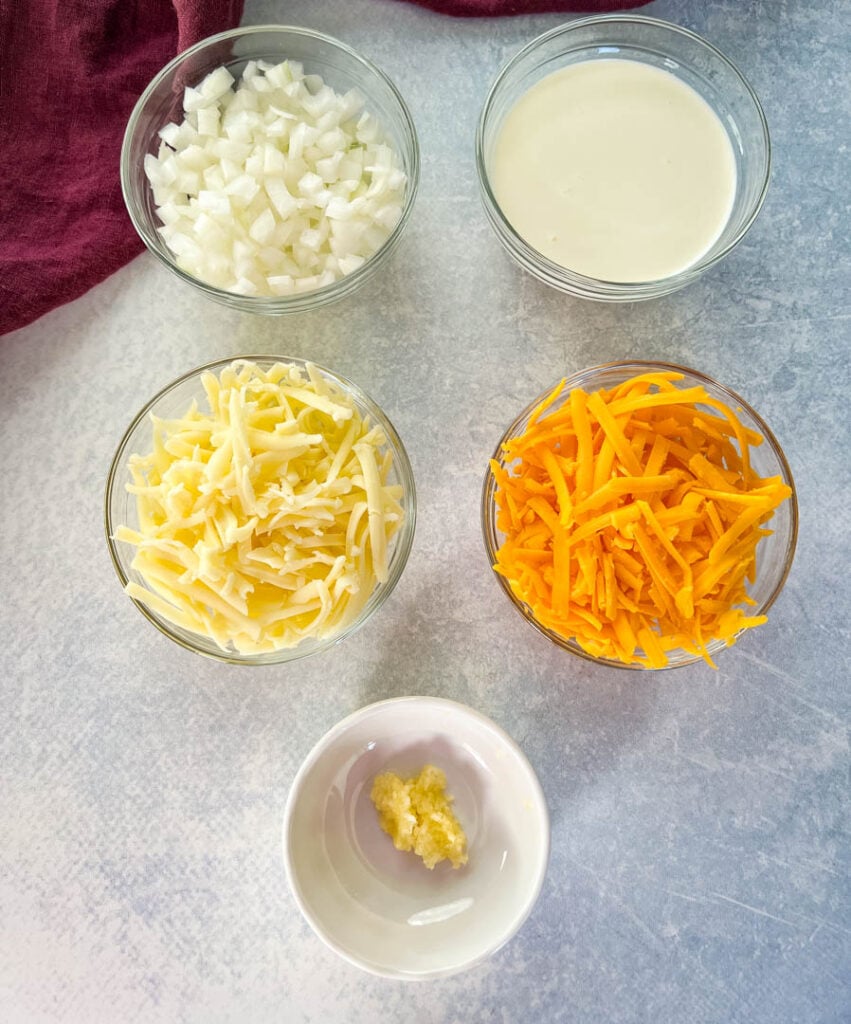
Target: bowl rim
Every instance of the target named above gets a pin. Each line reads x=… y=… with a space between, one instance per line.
x=272 y=303
x=327 y=741
x=554 y=273
x=578 y=379
x=399 y=558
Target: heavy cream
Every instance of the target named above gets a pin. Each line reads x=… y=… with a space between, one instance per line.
x=616 y=170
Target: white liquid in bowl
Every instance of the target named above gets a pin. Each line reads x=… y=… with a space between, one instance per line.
x=616 y=170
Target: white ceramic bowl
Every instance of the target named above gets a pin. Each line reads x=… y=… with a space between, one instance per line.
x=381 y=909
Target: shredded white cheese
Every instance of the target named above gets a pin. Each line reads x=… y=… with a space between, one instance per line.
x=275 y=184
x=264 y=519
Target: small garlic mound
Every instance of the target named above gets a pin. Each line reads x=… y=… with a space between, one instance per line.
x=275 y=184
x=417 y=815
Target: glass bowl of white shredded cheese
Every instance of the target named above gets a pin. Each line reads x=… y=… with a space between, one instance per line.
x=260 y=509
x=272 y=167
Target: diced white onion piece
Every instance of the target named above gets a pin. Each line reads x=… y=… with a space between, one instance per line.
x=350 y=104
x=216 y=84
x=273 y=159
x=230 y=169
x=169 y=133
x=169 y=213
x=243 y=187
x=367 y=129
x=169 y=170
x=338 y=208
x=388 y=216
x=349 y=263
x=307 y=284
x=310 y=184
x=346 y=237
x=279 y=75
x=281 y=285
x=193 y=158
x=214 y=179
x=192 y=99
x=153 y=170
x=255 y=163
x=215 y=202
x=262 y=228
x=242 y=251
x=165 y=196
x=311 y=239
x=183 y=245
x=244 y=287
x=240 y=133
x=329 y=167
x=208 y=121
x=296 y=141
x=280 y=197
x=331 y=142
x=188 y=182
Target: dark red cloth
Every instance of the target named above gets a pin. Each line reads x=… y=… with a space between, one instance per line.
x=70 y=74
x=493 y=8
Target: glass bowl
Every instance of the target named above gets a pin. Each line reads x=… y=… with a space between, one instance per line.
x=775 y=552
x=339 y=66
x=382 y=909
x=121 y=507
x=659 y=44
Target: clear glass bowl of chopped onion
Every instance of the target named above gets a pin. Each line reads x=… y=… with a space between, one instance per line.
x=640 y=515
x=260 y=509
x=272 y=167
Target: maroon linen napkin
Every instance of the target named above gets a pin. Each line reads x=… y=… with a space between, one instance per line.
x=70 y=74
x=491 y=8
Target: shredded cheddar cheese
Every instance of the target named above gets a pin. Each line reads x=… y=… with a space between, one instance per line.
x=264 y=518
x=631 y=518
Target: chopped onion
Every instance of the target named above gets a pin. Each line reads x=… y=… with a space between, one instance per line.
x=276 y=184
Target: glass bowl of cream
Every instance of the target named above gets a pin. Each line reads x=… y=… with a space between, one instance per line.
x=620 y=157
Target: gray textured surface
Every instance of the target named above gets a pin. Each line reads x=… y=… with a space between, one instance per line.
x=700 y=865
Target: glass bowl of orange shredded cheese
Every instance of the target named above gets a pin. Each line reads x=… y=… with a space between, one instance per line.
x=640 y=515
x=260 y=509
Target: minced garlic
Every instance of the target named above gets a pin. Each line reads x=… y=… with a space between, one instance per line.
x=417 y=815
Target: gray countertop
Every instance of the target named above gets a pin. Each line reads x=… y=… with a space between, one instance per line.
x=700 y=848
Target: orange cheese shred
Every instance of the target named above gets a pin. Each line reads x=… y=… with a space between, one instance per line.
x=631 y=516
